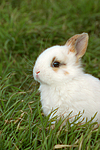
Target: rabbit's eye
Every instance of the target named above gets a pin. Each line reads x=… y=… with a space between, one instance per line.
x=56 y=64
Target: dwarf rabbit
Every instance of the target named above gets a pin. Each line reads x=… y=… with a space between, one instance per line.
x=63 y=84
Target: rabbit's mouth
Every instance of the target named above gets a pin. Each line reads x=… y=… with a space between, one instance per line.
x=37 y=78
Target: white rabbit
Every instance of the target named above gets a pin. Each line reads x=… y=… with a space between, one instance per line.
x=63 y=84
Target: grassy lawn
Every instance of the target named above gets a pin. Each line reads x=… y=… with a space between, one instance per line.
x=27 y=27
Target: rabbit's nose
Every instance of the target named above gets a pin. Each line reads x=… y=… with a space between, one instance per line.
x=37 y=72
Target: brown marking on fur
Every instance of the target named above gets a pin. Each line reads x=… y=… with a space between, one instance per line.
x=55 y=69
x=63 y=65
x=77 y=61
x=53 y=59
x=72 y=49
x=65 y=72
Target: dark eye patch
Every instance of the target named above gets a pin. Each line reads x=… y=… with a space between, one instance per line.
x=56 y=63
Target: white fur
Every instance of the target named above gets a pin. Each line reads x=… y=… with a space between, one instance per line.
x=75 y=91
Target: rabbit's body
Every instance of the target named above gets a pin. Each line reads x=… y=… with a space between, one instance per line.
x=63 y=84
x=73 y=98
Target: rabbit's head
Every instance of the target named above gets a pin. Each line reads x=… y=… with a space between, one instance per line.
x=60 y=64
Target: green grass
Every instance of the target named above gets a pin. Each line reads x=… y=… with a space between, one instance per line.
x=26 y=28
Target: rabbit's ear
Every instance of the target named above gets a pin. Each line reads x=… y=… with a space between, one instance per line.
x=78 y=44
